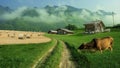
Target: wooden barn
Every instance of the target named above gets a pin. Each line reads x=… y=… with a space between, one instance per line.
x=52 y=32
x=94 y=27
x=64 y=31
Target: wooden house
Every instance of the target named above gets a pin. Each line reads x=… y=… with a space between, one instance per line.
x=94 y=27
x=52 y=32
x=64 y=31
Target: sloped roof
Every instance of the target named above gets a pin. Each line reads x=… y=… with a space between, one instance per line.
x=53 y=31
x=65 y=30
x=95 y=22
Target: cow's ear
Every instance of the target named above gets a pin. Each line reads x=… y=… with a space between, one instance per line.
x=95 y=41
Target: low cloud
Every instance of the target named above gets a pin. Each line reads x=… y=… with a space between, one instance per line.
x=44 y=16
x=15 y=14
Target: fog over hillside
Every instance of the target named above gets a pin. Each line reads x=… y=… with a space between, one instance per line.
x=60 y=15
x=54 y=14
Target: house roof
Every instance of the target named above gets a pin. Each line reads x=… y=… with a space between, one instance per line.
x=53 y=31
x=95 y=22
x=65 y=30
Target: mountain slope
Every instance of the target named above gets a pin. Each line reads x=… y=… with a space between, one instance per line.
x=49 y=17
x=4 y=10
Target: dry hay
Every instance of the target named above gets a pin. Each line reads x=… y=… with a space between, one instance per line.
x=13 y=37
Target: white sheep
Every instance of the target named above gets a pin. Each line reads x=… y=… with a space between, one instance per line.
x=39 y=34
x=11 y=35
x=28 y=35
x=21 y=36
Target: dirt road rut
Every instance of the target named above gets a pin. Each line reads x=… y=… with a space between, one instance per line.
x=65 y=61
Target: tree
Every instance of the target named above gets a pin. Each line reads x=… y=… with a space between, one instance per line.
x=71 y=27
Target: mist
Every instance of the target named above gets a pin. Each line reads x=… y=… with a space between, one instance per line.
x=44 y=16
x=15 y=14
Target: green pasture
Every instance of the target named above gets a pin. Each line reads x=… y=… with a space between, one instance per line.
x=22 y=55
x=25 y=55
x=92 y=60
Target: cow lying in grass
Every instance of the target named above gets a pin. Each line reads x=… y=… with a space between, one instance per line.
x=98 y=44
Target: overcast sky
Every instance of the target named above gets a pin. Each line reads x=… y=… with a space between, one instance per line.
x=108 y=5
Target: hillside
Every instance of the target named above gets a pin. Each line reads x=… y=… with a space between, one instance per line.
x=52 y=17
x=4 y=10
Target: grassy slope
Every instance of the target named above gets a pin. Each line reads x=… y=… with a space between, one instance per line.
x=96 y=60
x=22 y=55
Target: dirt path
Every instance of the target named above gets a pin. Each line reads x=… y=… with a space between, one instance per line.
x=65 y=61
x=43 y=58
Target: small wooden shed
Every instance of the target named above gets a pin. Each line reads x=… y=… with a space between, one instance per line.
x=64 y=31
x=52 y=32
x=94 y=27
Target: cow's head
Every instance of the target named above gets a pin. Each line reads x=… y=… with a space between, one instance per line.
x=82 y=46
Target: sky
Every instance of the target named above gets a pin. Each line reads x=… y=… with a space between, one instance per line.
x=108 y=5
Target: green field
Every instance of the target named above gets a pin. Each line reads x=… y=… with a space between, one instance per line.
x=92 y=60
x=25 y=55
x=22 y=55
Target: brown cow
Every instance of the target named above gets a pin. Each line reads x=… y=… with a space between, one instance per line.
x=104 y=43
x=99 y=44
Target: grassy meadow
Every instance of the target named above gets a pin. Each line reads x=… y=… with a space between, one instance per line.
x=25 y=55
x=22 y=55
x=92 y=60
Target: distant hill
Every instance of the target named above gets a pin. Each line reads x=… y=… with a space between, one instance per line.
x=4 y=10
x=30 y=12
x=48 y=17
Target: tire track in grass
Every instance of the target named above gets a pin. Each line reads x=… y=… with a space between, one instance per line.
x=42 y=59
x=65 y=60
x=53 y=60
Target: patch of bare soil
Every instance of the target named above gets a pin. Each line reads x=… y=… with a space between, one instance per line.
x=12 y=37
x=65 y=61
